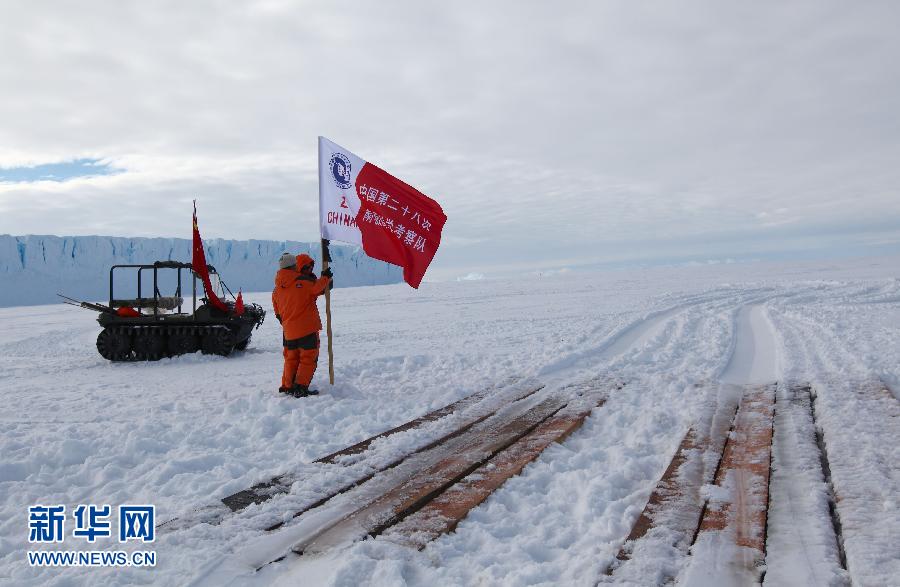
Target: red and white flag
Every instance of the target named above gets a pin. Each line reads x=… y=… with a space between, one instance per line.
x=362 y=204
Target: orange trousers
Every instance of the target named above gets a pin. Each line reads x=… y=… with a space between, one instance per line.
x=299 y=366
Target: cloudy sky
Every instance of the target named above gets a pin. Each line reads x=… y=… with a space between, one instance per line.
x=552 y=133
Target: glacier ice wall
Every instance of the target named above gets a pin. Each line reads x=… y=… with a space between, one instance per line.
x=33 y=268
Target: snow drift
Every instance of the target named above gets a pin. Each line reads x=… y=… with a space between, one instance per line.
x=34 y=268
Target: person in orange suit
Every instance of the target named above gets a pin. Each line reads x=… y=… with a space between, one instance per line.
x=294 y=301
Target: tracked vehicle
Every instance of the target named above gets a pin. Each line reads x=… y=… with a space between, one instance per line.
x=149 y=328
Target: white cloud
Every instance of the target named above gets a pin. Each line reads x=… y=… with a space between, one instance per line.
x=616 y=129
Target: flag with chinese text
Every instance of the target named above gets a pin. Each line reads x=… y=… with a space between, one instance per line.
x=362 y=204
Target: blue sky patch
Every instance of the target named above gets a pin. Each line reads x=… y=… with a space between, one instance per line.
x=62 y=171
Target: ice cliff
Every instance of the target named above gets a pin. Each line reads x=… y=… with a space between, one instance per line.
x=34 y=268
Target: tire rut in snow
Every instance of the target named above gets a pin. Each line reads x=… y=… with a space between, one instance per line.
x=806 y=395
x=859 y=422
x=754 y=358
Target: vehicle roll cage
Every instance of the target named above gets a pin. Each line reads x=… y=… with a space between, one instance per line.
x=159 y=301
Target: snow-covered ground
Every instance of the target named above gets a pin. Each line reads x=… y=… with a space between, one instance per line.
x=183 y=433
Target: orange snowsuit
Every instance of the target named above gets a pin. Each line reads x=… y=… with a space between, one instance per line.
x=294 y=301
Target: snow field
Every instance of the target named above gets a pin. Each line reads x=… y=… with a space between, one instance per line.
x=183 y=433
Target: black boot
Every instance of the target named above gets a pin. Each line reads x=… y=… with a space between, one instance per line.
x=286 y=390
x=303 y=390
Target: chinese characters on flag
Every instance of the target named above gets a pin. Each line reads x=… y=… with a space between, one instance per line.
x=362 y=204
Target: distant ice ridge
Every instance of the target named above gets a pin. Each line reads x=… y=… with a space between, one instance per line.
x=34 y=268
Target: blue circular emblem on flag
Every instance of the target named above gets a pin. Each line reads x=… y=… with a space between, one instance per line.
x=340 y=170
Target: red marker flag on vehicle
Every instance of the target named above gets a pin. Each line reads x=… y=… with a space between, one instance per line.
x=239 y=304
x=362 y=204
x=199 y=264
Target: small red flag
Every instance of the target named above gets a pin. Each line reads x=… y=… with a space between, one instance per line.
x=239 y=304
x=200 y=268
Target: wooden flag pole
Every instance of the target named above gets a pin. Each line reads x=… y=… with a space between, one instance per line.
x=325 y=259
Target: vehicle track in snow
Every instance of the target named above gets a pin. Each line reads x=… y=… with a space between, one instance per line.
x=777 y=513
x=430 y=490
x=641 y=340
x=674 y=509
x=716 y=524
x=647 y=333
x=712 y=493
x=446 y=469
x=461 y=415
x=436 y=509
x=715 y=487
x=731 y=538
x=857 y=422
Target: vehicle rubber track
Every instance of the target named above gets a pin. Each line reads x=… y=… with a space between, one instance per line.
x=153 y=342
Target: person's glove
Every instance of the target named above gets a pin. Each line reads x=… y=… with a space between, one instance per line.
x=327 y=273
x=278 y=317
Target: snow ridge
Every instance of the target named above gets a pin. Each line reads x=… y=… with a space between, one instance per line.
x=34 y=268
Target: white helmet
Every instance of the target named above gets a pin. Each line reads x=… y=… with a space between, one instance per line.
x=287 y=260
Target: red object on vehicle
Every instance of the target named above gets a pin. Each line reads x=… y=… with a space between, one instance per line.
x=239 y=304
x=200 y=268
x=127 y=312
